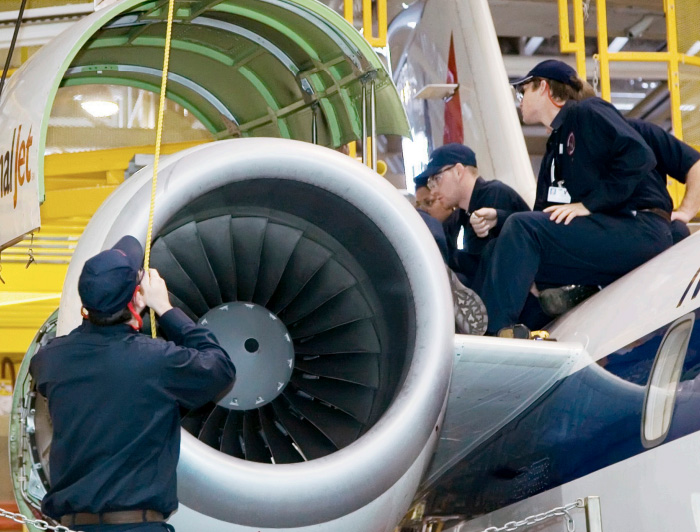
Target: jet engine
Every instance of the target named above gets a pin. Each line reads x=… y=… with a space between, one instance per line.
x=325 y=288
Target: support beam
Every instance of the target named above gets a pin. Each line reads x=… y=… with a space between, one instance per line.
x=69 y=203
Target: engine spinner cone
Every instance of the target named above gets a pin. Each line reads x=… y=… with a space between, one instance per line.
x=260 y=347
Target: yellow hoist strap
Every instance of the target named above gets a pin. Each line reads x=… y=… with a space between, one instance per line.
x=159 y=131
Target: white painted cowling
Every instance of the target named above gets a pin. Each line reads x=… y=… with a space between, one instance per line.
x=375 y=237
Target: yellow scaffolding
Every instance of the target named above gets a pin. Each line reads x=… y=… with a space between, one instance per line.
x=672 y=57
x=578 y=45
x=377 y=40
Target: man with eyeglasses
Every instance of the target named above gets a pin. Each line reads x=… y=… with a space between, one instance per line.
x=442 y=221
x=114 y=397
x=482 y=206
x=601 y=213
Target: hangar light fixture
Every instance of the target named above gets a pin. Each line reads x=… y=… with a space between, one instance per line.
x=617 y=44
x=694 y=49
x=100 y=108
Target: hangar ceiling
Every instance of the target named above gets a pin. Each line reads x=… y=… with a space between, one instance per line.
x=528 y=32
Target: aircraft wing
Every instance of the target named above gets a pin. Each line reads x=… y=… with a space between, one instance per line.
x=493 y=382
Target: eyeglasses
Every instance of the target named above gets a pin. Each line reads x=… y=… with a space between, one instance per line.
x=434 y=180
x=520 y=91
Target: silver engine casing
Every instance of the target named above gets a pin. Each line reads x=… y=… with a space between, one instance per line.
x=368 y=485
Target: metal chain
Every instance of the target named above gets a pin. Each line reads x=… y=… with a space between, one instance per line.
x=37 y=523
x=533 y=519
x=596 y=73
x=30 y=252
x=586 y=10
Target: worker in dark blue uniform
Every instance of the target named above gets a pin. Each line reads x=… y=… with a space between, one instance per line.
x=439 y=219
x=482 y=206
x=599 y=212
x=680 y=161
x=114 y=396
x=674 y=158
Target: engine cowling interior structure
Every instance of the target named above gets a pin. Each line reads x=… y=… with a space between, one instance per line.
x=311 y=270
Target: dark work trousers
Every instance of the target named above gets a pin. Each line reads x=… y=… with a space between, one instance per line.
x=136 y=527
x=591 y=250
x=679 y=231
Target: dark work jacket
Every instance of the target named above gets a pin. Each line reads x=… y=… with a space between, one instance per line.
x=114 y=397
x=436 y=229
x=496 y=195
x=673 y=157
x=452 y=226
x=601 y=160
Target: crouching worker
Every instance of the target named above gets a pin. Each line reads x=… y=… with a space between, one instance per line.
x=482 y=206
x=114 y=396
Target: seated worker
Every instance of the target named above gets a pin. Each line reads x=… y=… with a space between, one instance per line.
x=483 y=206
x=674 y=158
x=680 y=161
x=601 y=213
x=443 y=222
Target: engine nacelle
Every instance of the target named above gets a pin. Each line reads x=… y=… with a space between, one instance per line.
x=325 y=287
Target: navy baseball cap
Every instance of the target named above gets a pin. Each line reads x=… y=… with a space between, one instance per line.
x=550 y=69
x=109 y=279
x=444 y=156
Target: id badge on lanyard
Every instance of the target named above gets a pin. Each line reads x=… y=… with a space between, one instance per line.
x=557 y=192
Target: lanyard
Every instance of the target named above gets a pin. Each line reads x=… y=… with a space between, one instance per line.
x=553 y=167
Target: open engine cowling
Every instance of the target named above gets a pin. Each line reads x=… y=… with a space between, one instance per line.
x=325 y=287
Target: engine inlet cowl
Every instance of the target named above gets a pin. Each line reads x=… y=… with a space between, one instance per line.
x=329 y=293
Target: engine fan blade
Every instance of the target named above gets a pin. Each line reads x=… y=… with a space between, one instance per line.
x=178 y=280
x=211 y=430
x=352 y=399
x=278 y=247
x=177 y=302
x=344 y=308
x=338 y=426
x=360 y=368
x=357 y=337
x=311 y=442
x=218 y=244
x=280 y=445
x=254 y=446
x=329 y=281
x=232 y=434
x=308 y=257
x=194 y=419
x=247 y=236
x=187 y=249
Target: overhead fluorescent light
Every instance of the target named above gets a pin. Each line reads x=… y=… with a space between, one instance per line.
x=687 y=107
x=532 y=45
x=623 y=106
x=100 y=108
x=694 y=49
x=628 y=95
x=618 y=44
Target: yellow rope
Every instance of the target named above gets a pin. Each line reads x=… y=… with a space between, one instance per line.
x=159 y=131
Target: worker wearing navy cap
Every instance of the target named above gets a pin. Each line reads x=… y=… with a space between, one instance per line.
x=482 y=206
x=678 y=160
x=440 y=220
x=602 y=213
x=114 y=397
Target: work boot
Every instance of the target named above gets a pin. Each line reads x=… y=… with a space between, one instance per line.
x=514 y=331
x=557 y=301
x=469 y=309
